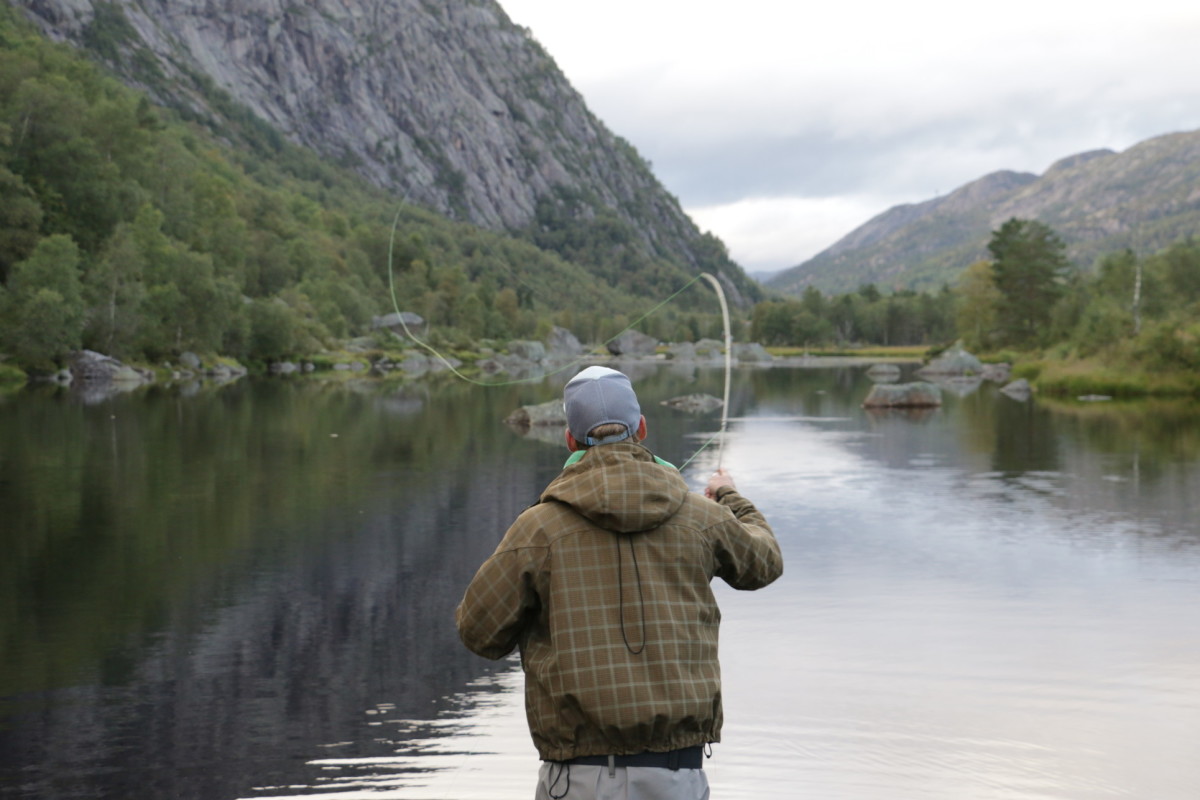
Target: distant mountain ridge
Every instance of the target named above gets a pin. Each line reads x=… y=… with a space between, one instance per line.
x=1098 y=201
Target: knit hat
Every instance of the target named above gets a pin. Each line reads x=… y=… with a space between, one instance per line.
x=600 y=396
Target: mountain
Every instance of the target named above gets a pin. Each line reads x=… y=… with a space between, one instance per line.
x=447 y=104
x=1098 y=202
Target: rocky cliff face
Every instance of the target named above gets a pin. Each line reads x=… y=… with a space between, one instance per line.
x=446 y=103
x=1099 y=202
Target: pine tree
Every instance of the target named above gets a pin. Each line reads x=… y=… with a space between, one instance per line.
x=1028 y=264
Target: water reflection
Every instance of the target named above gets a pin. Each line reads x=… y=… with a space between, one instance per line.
x=476 y=750
x=249 y=593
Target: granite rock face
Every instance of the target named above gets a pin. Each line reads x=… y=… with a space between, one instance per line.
x=448 y=104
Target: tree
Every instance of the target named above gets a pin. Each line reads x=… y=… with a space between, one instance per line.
x=80 y=191
x=843 y=314
x=508 y=307
x=1028 y=263
x=44 y=319
x=115 y=292
x=273 y=330
x=869 y=292
x=978 y=304
x=771 y=323
x=813 y=301
x=1183 y=270
x=185 y=306
x=20 y=219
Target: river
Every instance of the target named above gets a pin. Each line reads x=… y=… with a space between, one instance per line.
x=248 y=591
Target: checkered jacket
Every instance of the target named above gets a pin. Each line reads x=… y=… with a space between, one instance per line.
x=605 y=587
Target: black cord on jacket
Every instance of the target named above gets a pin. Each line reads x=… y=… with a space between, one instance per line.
x=621 y=594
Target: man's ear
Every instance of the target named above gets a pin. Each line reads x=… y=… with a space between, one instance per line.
x=641 y=431
x=572 y=445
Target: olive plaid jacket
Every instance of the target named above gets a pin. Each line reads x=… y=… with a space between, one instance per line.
x=605 y=587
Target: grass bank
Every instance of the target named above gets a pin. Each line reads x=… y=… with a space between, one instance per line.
x=1080 y=377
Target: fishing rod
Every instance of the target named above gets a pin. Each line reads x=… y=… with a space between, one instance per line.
x=728 y=366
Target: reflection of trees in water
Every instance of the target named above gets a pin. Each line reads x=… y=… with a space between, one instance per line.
x=1139 y=458
x=224 y=665
x=1025 y=438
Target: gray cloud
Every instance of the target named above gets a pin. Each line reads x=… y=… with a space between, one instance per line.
x=855 y=105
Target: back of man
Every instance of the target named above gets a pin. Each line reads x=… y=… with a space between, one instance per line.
x=605 y=587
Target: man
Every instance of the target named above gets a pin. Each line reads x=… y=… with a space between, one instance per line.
x=604 y=585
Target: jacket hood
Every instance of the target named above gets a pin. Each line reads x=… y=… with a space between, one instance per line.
x=620 y=487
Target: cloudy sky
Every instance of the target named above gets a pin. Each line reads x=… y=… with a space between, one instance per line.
x=781 y=126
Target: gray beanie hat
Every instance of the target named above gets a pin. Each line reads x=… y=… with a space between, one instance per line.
x=600 y=396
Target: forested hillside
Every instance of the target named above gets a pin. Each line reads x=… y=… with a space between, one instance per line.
x=135 y=230
x=447 y=104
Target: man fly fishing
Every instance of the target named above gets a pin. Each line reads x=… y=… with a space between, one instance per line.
x=604 y=585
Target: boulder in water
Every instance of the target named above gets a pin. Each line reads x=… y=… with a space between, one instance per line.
x=549 y=413
x=633 y=343
x=954 y=361
x=751 y=353
x=695 y=403
x=1018 y=389
x=920 y=394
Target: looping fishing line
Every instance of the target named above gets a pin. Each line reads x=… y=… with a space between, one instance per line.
x=720 y=435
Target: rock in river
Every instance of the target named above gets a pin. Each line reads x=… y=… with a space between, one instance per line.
x=549 y=413
x=904 y=395
x=695 y=403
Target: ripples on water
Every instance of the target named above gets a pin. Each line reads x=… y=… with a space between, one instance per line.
x=970 y=609
x=478 y=750
x=940 y=632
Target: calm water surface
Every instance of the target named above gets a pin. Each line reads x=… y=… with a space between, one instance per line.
x=248 y=592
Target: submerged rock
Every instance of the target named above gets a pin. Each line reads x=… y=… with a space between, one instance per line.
x=695 y=403
x=91 y=367
x=549 y=413
x=1018 y=389
x=997 y=373
x=751 y=353
x=682 y=351
x=961 y=385
x=884 y=373
x=920 y=394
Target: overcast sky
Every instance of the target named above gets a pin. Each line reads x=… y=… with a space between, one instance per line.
x=782 y=125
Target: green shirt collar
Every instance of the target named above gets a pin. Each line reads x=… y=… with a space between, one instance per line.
x=578 y=454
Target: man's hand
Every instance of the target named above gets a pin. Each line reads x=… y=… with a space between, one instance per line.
x=719 y=478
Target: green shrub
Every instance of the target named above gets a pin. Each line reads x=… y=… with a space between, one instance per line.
x=1029 y=370
x=11 y=374
x=1168 y=344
